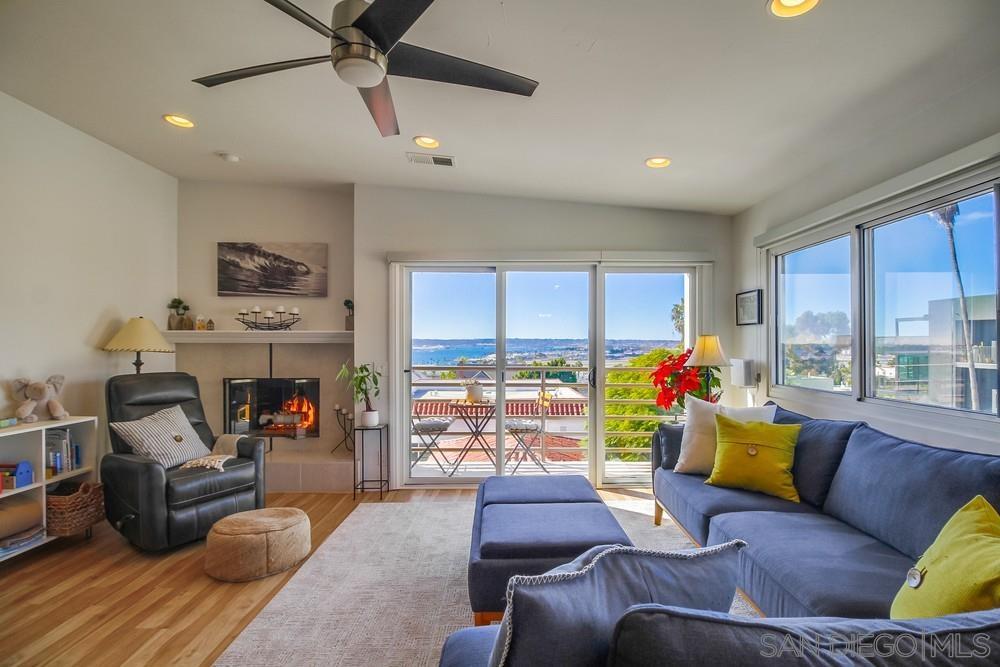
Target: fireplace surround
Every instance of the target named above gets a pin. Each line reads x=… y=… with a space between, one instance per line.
x=272 y=407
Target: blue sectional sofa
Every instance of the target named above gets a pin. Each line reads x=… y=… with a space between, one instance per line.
x=871 y=504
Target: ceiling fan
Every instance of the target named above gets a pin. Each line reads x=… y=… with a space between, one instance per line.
x=365 y=47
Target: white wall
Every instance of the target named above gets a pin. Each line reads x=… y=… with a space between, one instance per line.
x=89 y=239
x=399 y=220
x=213 y=212
x=875 y=169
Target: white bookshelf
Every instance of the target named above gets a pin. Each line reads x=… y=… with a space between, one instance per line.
x=26 y=442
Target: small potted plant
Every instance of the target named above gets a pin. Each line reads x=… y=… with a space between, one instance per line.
x=363 y=381
x=349 y=319
x=473 y=390
x=178 y=314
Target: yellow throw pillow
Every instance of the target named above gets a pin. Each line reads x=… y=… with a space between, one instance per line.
x=755 y=456
x=960 y=572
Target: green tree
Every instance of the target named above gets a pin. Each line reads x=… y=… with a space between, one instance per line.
x=562 y=376
x=677 y=315
x=634 y=417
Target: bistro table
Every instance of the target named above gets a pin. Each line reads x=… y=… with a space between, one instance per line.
x=476 y=416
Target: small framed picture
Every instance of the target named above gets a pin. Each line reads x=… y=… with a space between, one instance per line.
x=749 y=309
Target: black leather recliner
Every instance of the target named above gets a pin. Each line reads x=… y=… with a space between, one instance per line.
x=158 y=508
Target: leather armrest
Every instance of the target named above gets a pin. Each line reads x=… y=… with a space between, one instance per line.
x=666 y=446
x=135 y=498
x=253 y=448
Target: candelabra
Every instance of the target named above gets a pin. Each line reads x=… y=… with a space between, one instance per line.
x=285 y=320
x=345 y=420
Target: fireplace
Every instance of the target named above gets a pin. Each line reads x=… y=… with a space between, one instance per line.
x=272 y=407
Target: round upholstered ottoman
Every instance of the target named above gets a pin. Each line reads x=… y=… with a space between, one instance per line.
x=258 y=543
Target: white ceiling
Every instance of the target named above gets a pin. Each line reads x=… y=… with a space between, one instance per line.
x=742 y=102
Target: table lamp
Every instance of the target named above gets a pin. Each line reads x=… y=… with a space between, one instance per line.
x=138 y=335
x=707 y=354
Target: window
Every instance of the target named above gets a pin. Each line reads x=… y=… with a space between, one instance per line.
x=814 y=316
x=932 y=327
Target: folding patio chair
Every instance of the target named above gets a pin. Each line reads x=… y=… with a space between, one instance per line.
x=526 y=433
x=428 y=430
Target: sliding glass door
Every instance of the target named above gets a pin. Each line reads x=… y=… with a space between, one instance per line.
x=538 y=369
x=644 y=315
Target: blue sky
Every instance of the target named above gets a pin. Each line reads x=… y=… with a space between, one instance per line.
x=543 y=304
x=912 y=267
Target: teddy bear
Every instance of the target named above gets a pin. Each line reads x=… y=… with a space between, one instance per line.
x=36 y=393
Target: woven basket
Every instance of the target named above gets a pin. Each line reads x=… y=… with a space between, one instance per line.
x=76 y=512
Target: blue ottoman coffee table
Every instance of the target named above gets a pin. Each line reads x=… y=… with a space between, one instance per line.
x=529 y=525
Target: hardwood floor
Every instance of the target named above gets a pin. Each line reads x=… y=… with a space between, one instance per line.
x=102 y=602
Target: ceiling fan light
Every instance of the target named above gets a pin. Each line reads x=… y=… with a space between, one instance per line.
x=359 y=72
x=788 y=9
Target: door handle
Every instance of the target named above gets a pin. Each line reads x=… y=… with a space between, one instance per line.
x=592 y=378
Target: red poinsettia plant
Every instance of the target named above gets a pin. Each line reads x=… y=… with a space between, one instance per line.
x=675 y=381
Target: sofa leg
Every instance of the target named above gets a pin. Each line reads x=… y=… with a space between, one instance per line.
x=657 y=513
x=486 y=617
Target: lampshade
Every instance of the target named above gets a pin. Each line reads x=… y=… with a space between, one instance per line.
x=707 y=352
x=138 y=335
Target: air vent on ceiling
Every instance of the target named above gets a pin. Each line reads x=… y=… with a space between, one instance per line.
x=433 y=160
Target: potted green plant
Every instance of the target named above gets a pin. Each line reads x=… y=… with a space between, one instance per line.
x=178 y=314
x=349 y=319
x=363 y=381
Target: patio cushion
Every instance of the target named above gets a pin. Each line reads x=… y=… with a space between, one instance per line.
x=522 y=426
x=550 y=489
x=469 y=647
x=432 y=424
x=904 y=492
x=547 y=530
x=693 y=503
x=812 y=565
x=818 y=453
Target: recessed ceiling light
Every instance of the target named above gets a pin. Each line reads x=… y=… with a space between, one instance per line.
x=179 y=121
x=787 y=9
x=657 y=162
x=426 y=142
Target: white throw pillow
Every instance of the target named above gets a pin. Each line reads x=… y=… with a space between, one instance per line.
x=698 y=441
x=165 y=436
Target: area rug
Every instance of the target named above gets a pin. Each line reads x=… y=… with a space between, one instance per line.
x=388 y=586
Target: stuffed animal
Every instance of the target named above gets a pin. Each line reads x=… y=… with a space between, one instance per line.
x=36 y=393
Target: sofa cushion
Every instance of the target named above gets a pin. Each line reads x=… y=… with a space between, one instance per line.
x=186 y=486
x=645 y=634
x=547 y=530
x=697 y=455
x=469 y=647
x=540 y=489
x=812 y=565
x=904 y=492
x=693 y=503
x=755 y=456
x=567 y=616
x=818 y=453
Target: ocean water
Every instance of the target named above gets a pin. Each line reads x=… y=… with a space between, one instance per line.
x=448 y=352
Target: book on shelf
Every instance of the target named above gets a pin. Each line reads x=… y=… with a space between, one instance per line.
x=18 y=541
x=62 y=454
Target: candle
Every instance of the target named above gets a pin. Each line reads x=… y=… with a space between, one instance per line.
x=350 y=417
x=255 y=309
x=279 y=309
x=244 y=312
x=336 y=408
x=295 y=310
x=268 y=315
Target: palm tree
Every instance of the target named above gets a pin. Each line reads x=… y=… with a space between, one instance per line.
x=945 y=216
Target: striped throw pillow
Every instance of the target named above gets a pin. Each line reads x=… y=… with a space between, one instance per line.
x=165 y=436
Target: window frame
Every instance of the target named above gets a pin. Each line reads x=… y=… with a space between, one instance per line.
x=867 y=259
x=857 y=223
x=776 y=325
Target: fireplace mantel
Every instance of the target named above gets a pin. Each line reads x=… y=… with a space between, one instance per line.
x=301 y=336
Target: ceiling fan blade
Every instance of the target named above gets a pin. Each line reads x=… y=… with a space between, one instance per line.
x=301 y=16
x=386 y=21
x=379 y=103
x=256 y=70
x=420 y=63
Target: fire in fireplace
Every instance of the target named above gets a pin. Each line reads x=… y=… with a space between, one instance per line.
x=272 y=407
